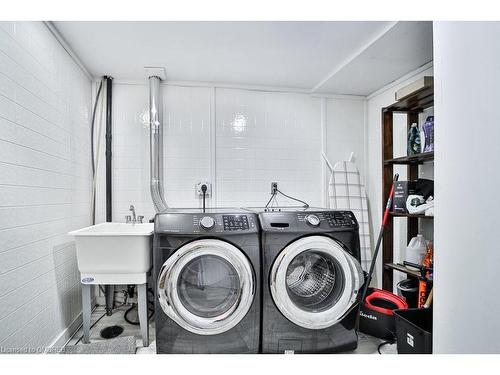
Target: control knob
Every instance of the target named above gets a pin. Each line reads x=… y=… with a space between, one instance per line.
x=207 y=222
x=312 y=220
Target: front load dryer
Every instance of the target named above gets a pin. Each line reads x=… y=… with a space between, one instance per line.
x=312 y=280
x=207 y=277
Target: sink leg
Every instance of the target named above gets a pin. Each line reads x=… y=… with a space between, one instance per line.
x=142 y=301
x=110 y=298
x=86 y=311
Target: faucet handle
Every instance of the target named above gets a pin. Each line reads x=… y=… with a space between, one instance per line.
x=139 y=218
x=128 y=219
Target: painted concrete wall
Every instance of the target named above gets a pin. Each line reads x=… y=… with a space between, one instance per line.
x=467 y=57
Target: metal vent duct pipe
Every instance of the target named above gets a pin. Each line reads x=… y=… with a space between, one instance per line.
x=156 y=145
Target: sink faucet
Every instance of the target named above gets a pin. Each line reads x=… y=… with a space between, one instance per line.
x=132 y=219
x=132 y=208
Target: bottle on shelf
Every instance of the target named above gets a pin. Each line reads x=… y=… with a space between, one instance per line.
x=423 y=287
x=428 y=134
x=414 y=141
x=415 y=251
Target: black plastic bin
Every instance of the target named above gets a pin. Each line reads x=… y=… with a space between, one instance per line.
x=414 y=331
x=408 y=289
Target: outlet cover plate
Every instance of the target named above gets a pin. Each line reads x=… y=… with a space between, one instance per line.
x=199 y=192
x=274 y=187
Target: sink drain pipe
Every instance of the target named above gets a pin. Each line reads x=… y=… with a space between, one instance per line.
x=156 y=145
x=109 y=289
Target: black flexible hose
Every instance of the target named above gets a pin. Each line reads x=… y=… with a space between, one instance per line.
x=151 y=308
x=384 y=343
x=92 y=326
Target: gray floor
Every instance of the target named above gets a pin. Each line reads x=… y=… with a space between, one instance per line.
x=366 y=345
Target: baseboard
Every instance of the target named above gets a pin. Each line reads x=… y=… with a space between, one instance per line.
x=66 y=333
x=69 y=331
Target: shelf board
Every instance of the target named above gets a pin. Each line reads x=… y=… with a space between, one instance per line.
x=417 y=102
x=419 y=216
x=425 y=157
x=402 y=268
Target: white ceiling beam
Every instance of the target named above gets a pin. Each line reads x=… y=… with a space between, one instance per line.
x=353 y=56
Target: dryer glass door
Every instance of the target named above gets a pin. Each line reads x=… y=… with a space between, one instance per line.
x=315 y=282
x=207 y=286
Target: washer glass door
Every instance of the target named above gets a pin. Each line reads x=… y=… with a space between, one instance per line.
x=315 y=281
x=206 y=286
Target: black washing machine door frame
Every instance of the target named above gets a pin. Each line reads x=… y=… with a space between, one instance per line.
x=314 y=282
x=183 y=287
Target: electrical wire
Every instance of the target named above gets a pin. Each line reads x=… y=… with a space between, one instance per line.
x=292 y=198
x=274 y=197
x=95 y=159
x=384 y=343
x=92 y=127
x=270 y=199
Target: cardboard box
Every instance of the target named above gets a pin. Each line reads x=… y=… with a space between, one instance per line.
x=401 y=191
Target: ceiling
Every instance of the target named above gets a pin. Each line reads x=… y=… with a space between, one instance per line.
x=353 y=58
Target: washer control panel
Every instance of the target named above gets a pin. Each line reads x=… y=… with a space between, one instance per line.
x=224 y=223
x=235 y=222
x=187 y=221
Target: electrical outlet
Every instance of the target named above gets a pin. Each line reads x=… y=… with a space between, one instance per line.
x=274 y=187
x=199 y=192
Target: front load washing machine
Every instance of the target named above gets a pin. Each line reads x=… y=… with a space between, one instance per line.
x=207 y=277
x=312 y=280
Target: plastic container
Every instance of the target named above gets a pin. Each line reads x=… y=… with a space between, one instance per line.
x=376 y=313
x=416 y=249
x=408 y=289
x=414 y=331
x=414 y=142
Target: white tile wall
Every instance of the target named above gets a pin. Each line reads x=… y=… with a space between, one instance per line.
x=186 y=122
x=264 y=137
x=258 y=137
x=345 y=131
x=44 y=184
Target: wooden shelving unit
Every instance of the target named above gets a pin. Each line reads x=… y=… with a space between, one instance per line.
x=412 y=105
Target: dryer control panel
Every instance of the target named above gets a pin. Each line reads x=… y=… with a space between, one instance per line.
x=341 y=219
x=335 y=219
x=310 y=220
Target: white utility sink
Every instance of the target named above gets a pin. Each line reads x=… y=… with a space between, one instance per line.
x=114 y=253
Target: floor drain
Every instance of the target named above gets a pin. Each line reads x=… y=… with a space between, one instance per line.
x=111 y=332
